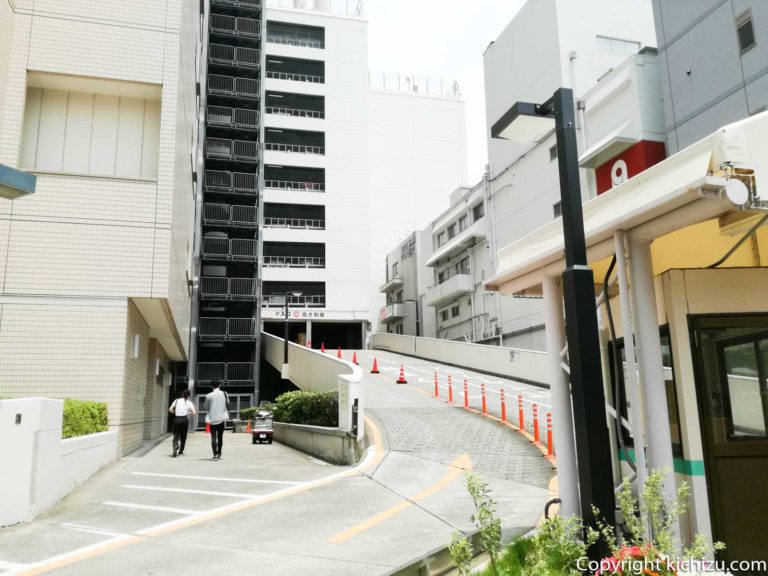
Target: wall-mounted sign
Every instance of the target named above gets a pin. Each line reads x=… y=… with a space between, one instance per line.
x=631 y=162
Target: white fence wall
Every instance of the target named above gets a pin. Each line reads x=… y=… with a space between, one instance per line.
x=524 y=365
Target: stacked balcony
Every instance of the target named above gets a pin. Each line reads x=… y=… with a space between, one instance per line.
x=296 y=70
x=294 y=216
x=295 y=178
x=312 y=294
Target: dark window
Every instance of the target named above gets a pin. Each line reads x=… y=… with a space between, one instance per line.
x=443 y=315
x=399 y=297
x=478 y=212
x=745 y=31
x=454 y=311
x=394 y=269
x=553 y=153
x=463 y=223
x=557 y=209
x=452 y=230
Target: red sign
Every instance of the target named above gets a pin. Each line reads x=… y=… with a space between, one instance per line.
x=631 y=162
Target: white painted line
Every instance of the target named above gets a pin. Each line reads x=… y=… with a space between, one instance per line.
x=154 y=508
x=90 y=529
x=11 y=565
x=215 y=478
x=186 y=491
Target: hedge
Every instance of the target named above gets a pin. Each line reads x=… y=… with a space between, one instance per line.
x=82 y=417
x=312 y=408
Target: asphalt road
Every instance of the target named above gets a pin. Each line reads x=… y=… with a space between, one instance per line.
x=271 y=510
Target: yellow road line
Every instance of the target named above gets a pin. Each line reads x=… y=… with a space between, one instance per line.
x=110 y=545
x=461 y=464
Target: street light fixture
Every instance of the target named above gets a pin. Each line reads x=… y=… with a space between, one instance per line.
x=285 y=332
x=525 y=121
x=418 y=322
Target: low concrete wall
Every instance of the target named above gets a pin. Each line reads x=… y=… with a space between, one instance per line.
x=524 y=365
x=41 y=467
x=329 y=444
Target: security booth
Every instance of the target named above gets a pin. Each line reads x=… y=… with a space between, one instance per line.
x=680 y=255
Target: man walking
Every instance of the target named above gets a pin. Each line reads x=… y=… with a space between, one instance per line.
x=217 y=408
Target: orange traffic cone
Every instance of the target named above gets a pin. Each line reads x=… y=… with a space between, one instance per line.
x=207 y=428
x=401 y=379
x=309 y=343
x=354 y=357
x=322 y=347
x=375 y=367
x=248 y=427
x=338 y=354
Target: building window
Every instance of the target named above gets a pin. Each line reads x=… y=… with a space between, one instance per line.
x=462 y=267
x=89 y=133
x=478 y=212
x=443 y=315
x=399 y=329
x=557 y=209
x=441 y=277
x=440 y=239
x=745 y=31
x=452 y=230
x=394 y=268
x=618 y=47
x=463 y=223
x=553 y=153
x=454 y=311
x=399 y=297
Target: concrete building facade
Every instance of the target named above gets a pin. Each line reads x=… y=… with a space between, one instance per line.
x=98 y=100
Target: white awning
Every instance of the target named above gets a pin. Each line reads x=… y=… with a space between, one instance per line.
x=668 y=186
x=613 y=143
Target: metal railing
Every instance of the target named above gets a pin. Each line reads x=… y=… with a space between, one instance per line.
x=233 y=117
x=229 y=215
x=228 y=288
x=295 y=39
x=294 y=262
x=241 y=150
x=299 y=223
x=278 y=300
x=414 y=83
x=233 y=86
x=295 y=77
x=234 y=56
x=250 y=4
x=342 y=7
x=226 y=371
x=295 y=148
x=230 y=249
x=301 y=113
x=232 y=26
x=226 y=328
x=237 y=182
x=295 y=185
x=449 y=273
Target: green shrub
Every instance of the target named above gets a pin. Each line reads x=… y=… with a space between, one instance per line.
x=312 y=408
x=82 y=417
x=248 y=413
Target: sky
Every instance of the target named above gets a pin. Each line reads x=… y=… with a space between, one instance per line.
x=441 y=38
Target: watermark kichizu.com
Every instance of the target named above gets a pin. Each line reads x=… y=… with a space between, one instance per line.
x=665 y=566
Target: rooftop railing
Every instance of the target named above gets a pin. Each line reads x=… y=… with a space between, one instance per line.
x=414 y=83
x=342 y=7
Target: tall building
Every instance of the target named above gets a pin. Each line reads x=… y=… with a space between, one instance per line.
x=713 y=65
x=98 y=100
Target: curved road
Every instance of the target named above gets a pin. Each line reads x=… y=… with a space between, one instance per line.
x=274 y=511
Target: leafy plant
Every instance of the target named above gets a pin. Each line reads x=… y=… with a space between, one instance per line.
x=556 y=547
x=248 y=413
x=461 y=553
x=485 y=519
x=303 y=407
x=82 y=417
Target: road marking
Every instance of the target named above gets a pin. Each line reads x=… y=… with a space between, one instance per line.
x=147 y=507
x=461 y=464
x=373 y=456
x=89 y=529
x=187 y=491
x=10 y=565
x=215 y=478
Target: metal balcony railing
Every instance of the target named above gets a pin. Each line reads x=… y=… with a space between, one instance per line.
x=231 y=26
x=295 y=185
x=228 y=215
x=233 y=117
x=295 y=77
x=298 y=223
x=234 y=372
x=226 y=328
x=295 y=39
x=294 y=262
x=240 y=150
x=295 y=148
x=278 y=301
x=242 y=249
x=239 y=56
x=233 y=86
x=213 y=287
x=299 y=112
x=249 y=4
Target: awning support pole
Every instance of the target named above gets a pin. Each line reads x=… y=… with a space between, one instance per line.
x=565 y=446
x=651 y=365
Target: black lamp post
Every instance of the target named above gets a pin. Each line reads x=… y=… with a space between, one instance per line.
x=523 y=122
x=285 y=331
x=418 y=322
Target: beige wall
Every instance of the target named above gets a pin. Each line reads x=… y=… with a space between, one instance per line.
x=156 y=399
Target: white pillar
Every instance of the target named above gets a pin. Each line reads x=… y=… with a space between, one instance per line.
x=309 y=331
x=560 y=393
x=633 y=388
x=650 y=362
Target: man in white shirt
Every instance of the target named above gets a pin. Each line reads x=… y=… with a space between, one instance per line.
x=217 y=408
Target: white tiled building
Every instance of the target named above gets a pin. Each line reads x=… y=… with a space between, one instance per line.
x=98 y=99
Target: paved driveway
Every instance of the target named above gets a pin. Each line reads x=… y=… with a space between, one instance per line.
x=270 y=510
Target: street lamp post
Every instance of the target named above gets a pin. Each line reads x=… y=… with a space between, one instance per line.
x=523 y=122
x=285 y=331
x=418 y=322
